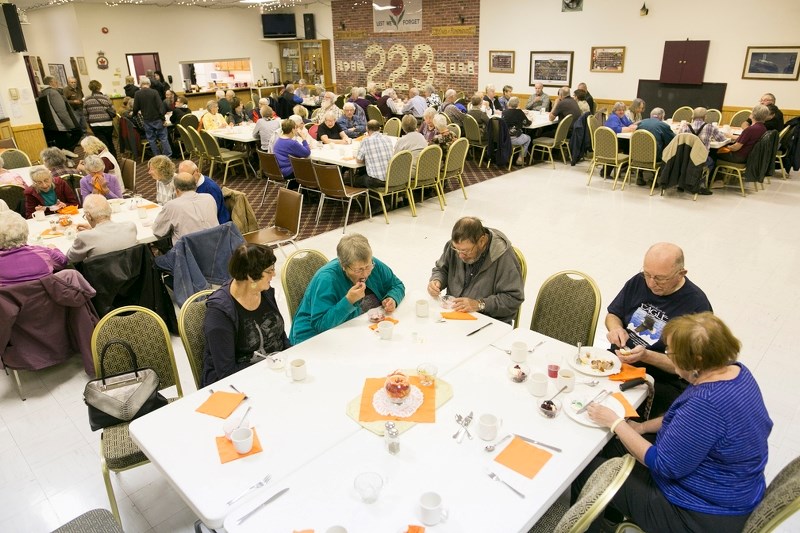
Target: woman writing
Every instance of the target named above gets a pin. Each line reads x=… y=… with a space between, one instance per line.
x=705 y=471
x=242 y=317
x=345 y=288
x=97 y=181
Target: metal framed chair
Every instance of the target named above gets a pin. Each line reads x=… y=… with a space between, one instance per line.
x=304 y=174
x=683 y=113
x=14 y=158
x=781 y=153
x=190 y=328
x=426 y=175
x=94 y=521
x=392 y=127
x=373 y=113
x=148 y=336
x=606 y=152
x=14 y=197
x=472 y=131
x=398 y=179
x=270 y=170
x=128 y=167
x=592 y=124
x=190 y=120
x=678 y=139
x=753 y=164
x=198 y=146
x=332 y=187
x=712 y=116
x=781 y=501
x=524 y=267
x=8 y=143
x=559 y=142
x=600 y=488
x=494 y=124
x=222 y=156
x=642 y=156
x=567 y=308
x=296 y=274
x=739 y=117
x=74 y=181
x=456 y=129
x=286 y=226
x=454 y=165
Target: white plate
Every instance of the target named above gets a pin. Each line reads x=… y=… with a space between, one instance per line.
x=582 y=399
x=598 y=353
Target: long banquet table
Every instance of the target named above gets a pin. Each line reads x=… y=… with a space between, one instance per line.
x=311 y=445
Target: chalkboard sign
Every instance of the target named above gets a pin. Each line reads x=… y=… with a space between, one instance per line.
x=671 y=96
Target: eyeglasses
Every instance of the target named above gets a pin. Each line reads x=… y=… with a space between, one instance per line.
x=466 y=251
x=362 y=270
x=659 y=280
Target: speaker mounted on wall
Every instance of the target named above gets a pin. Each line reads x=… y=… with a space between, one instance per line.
x=309 y=26
x=16 y=37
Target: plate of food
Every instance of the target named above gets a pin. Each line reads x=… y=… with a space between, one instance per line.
x=595 y=362
x=576 y=401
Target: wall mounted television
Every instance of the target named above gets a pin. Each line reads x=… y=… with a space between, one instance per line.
x=278 y=26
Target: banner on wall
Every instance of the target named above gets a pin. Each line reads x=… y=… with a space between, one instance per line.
x=396 y=15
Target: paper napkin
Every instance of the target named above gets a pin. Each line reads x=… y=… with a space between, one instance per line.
x=523 y=458
x=221 y=404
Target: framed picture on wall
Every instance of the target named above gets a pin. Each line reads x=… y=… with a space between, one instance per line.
x=607 y=59
x=501 y=61
x=553 y=69
x=771 y=63
x=82 y=66
x=58 y=71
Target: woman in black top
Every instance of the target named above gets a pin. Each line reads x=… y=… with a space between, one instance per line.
x=242 y=318
x=516 y=120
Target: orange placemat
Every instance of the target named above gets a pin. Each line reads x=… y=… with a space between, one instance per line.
x=50 y=234
x=425 y=413
x=628 y=372
x=221 y=404
x=228 y=453
x=630 y=412
x=68 y=210
x=149 y=206
x=374 y=326
x=523 y=458
x=457 y=315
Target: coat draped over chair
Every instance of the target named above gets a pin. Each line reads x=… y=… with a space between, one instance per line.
x=684 y=161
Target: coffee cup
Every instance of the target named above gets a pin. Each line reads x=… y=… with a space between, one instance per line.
x=537 y=385
x=116 y=207
x=39 y=214
x=385 y=328
x=566 y=378
x=336 y=529
x=488 y=426
x=297 y=369
x=422 y=308
x=242 y=439
x=519 y=352
x=431 y=510
x=232 y=424
x=141 y=212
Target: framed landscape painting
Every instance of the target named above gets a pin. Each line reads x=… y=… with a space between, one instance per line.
x=771 y=63
x=501 y=61
x=553 y=69
x=607 y=59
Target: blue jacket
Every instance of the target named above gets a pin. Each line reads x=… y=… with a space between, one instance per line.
x=324 y=305
x=199 y=259
x=616 y=123
x=210 y=187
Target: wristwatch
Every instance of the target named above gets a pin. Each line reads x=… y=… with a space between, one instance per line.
x=481 y=305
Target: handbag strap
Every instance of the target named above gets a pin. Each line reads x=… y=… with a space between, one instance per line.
x=131 y=354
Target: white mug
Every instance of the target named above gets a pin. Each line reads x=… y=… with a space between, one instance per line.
x=39 y=214
x=141 y=212
x=232 y=424
x=488 y=425
x=566 y=378
x=242 y=440
x=431 y=510
x=519 y=352
x=116 y=207
x=297 y=369
x=422 y=308
x=537 y=385
x=336 y=529
x=385 y=328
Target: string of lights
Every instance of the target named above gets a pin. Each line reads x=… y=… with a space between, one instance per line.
x=265 y=6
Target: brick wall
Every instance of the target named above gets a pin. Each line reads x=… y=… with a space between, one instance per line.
x=438 y=53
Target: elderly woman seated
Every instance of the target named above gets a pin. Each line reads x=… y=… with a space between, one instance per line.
x=426 y=128
x=162 y=170
x=47 y=193
x=617 y=120
x=93 y=146
x=750 y=136
x=97 y=181
x=242 y=318
x=55 y=161
x=20 y=262
x=516 y=120
x=701 y=465
x=345 y=288
x=443 y=136
x=213 y=120
x=635 y=112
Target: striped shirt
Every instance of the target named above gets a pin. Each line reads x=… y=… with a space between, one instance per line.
x=376 y=151
x=710 y=453
x=708 y=133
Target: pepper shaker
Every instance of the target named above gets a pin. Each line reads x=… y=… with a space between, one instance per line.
x=392 y=438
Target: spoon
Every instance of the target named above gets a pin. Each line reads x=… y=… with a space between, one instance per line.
x=591 y=383
x=550 y=401
x=247 y=413
x=578 y=357
x=491 y=447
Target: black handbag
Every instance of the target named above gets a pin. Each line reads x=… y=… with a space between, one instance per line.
x=122 y=397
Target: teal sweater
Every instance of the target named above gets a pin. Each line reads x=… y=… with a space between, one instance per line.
x=324 y=305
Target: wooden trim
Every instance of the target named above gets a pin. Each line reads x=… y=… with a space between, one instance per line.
x=30 y=139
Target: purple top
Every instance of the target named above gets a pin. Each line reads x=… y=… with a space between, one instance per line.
x=114 y=191
x=29 y=263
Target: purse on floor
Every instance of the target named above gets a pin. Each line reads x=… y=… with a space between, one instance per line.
x=122 y=397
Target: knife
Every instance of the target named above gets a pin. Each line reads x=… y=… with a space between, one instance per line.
x=536 y=442
x=270 y=500
x=597 y=399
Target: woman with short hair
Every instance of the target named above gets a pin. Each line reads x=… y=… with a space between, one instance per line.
x=740 y=150
x=345 y=288
x=97 y=181
x=55 y=161
x=162 y=170
x=20 y=262
x=443 y=136
x=426 y=128
x=516 y=120
x=213 y=120
x=93 y=146
x=47 y=193
x=242 y=318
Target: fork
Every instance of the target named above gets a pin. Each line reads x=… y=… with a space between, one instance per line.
x=530 y=350
x=496 y=478
x=237 y=390
x=254 y=487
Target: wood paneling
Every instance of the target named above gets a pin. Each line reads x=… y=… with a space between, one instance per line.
x=30 y=139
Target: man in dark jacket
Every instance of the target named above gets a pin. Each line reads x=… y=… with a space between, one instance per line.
x=61 y=126
x=148 y=102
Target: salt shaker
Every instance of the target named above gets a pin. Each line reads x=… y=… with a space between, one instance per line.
x=392 y=437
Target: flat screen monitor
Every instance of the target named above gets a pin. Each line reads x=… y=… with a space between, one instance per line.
x=278 y=26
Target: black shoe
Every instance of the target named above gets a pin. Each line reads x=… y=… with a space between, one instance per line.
x=640 y=182
x=704 y=192
x=680 y=189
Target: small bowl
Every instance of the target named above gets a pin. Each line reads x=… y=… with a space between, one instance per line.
x=376 y=314
x=519 y=372
x=447 y=301
x=552 y=410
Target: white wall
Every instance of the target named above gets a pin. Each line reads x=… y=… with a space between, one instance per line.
x=730 y=26
x=22 y=111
